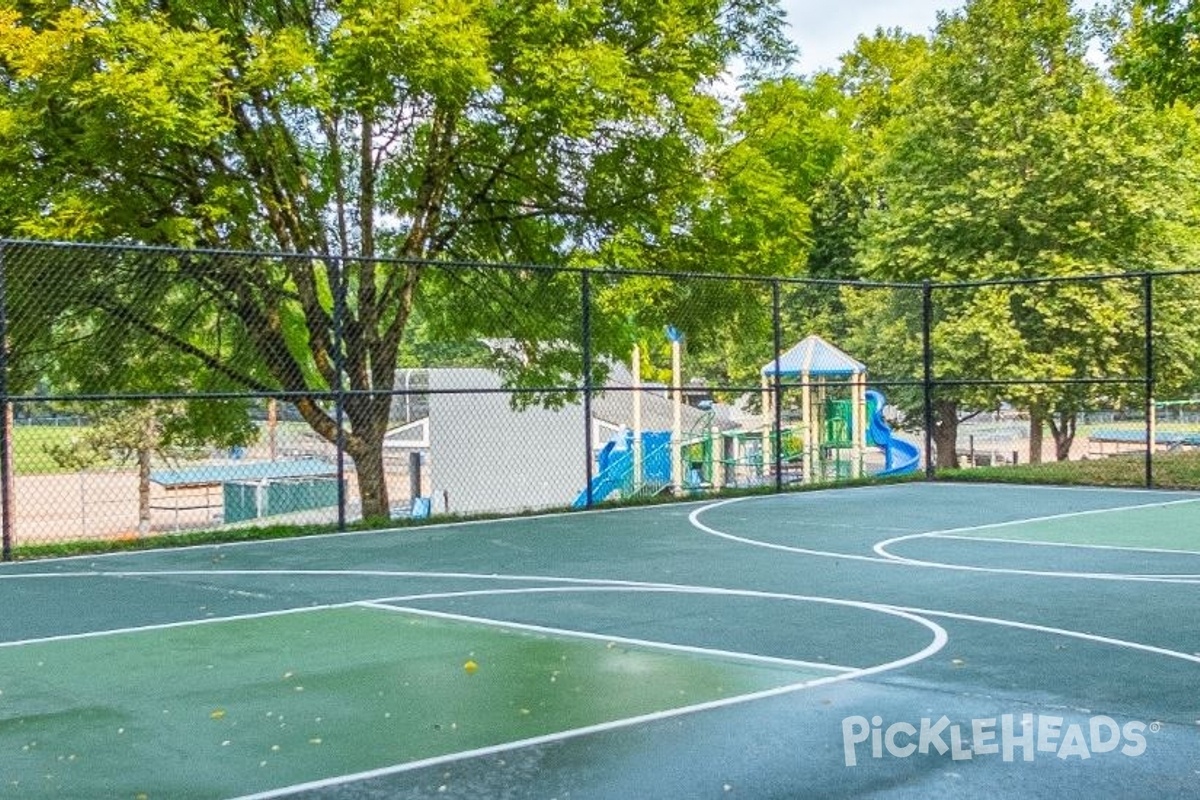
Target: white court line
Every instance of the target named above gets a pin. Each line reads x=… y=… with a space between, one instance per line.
x=1029 y=626
x=881 y=548
x=599 y=582
x=164 y=626
x=694 y=519
x=940 y=639
x=1122 y=547
x=1050 y=517
x=398 y=530
x=885 y=557
x=917 y=614
x=284 y=573
x=597 y=637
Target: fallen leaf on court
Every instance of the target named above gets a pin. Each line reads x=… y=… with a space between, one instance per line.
x=217 y=714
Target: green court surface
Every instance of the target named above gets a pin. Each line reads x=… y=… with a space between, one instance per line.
x=1171 y=527
x=887 y=642
x=219 y=709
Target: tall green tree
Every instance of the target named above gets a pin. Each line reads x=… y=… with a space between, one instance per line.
x=347 y=133
x=1157 y=46
x=1015 y=159
x=748 y=217
x=874 y=79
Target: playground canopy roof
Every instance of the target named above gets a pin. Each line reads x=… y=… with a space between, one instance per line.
x=817 y=357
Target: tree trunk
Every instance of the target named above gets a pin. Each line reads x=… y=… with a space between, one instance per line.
x=1037 y=427
x=945 y=433
x=1062 y=427
x=372 y=479
x=368 y=415
x=143 y=457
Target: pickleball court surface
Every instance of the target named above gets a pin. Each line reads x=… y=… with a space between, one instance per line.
x=910 y=640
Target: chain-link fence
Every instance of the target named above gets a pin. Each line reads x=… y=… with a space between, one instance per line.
x=154 y=391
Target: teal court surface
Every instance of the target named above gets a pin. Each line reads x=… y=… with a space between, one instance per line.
x=918 y=640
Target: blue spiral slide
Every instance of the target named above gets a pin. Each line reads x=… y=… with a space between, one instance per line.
x=900 y=456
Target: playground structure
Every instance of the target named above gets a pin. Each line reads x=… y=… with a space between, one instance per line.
x=840 y=418
x=838 y=433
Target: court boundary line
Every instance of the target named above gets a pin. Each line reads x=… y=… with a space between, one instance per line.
x=1055 y=631
x=568 y=633
x=601 y=585
x=154 y=626
x=361 y=573
x=552 y=514
x=917 y=613
x=940 y=639
x=890 y=558
x=164 y=626
x=1001 y=540
x=881 y=548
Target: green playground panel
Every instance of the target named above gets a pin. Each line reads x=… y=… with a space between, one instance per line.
x=247 y=500
x=1168 y=527
x=248 y=705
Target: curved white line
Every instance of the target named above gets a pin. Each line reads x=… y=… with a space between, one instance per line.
x=694 y=520
x=881 y=547
x=916 y=612
x=1133 y=577
x=1030 y=626
x=883 y=608
x=885 y=557
x=939 y=641
x=600 y=637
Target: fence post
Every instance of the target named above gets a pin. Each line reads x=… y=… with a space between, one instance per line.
x=1148 y=355
x=585 y=298
x=777 y=387
x=927 y=371
x=339 y=388
x=6 y=422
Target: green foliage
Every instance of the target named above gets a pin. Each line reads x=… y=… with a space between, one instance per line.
x=748 y=217
x=420 y=129
x=1008 y=156
x=1157 y=47
x=120 y=432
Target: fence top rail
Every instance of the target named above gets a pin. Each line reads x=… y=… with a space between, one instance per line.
x=458 y=263
x=449 y=263
x=1091 y=277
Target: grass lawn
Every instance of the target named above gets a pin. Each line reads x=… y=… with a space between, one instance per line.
x=1171 y=471
x=30 y=443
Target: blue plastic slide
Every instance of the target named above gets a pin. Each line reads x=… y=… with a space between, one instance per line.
x=900 y=456
x=615 y=463
x=615 y=470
